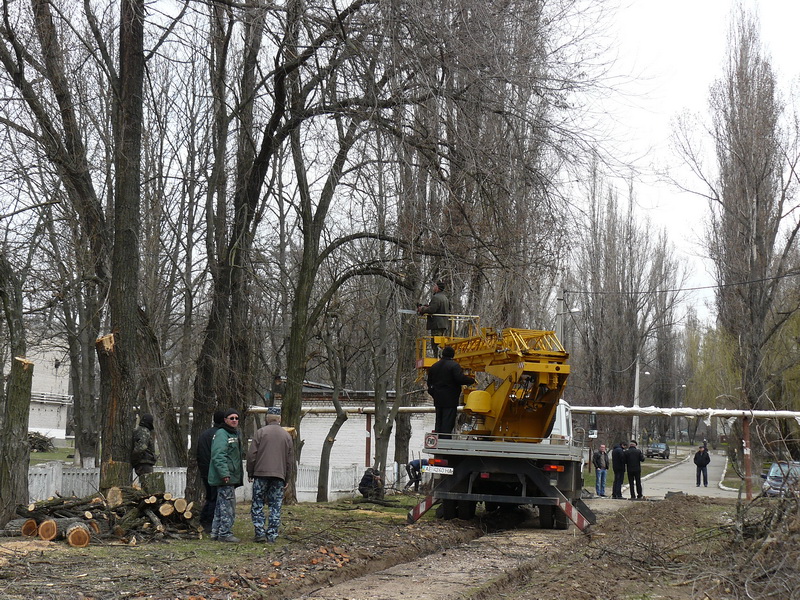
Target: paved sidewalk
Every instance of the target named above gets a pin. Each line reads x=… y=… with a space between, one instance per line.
x=681 y=477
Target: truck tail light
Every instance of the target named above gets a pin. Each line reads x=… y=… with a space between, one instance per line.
x=553 y=468
x=437 y=462
x=484 y=475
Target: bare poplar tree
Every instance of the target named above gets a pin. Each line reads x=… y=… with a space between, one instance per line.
x=754 y=219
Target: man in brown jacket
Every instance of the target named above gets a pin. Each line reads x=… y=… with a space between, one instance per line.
x=269 y=465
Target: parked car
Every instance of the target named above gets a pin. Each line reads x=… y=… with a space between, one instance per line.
x=658 y=449
x=782 y=479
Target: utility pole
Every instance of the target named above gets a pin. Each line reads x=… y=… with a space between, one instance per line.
x=635 y=420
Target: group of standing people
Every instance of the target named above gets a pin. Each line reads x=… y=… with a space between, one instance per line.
x=625 y=457
x=220 y=453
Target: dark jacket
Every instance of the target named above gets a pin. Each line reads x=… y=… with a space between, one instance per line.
x=204 y=450
x=439 y=305
x=143 y=451
x=271 y=453
x=701 y=458
x=600 y=460
x=226 y=458
x=445 y=378
x=634 y=459
x=618 y=458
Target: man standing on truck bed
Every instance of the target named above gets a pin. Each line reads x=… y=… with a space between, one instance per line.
x=445 y=378
x=436 y=309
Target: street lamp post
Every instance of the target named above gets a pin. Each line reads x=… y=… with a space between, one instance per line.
x=676 y=418
x=635 y=420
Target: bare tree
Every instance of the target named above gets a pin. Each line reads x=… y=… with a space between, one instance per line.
x=625 y=287
x=754 y=222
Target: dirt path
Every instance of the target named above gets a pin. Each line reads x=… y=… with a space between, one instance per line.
x=462 y=570
x=474 y=569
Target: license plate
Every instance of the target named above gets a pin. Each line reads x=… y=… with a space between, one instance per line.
x=439 y=470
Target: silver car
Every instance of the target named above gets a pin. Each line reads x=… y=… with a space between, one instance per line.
x=782 y=479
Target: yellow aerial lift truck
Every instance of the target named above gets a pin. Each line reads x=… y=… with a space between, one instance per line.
x=506 y=451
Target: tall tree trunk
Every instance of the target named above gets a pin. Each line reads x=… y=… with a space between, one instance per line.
x=172 y=447
x=15 y=402
x=124 y=291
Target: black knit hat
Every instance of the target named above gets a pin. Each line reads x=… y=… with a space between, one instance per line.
x=448 y=352
x=219 y=416
x=232 y=411
x=440 y=285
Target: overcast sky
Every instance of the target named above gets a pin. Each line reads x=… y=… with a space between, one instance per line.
x=675 y=50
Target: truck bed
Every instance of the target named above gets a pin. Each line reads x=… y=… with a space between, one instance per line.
x=464 y=445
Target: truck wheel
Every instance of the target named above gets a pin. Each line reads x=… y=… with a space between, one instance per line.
x=546 y=516
x=466 y=509
x=491 y=506
x=448 y=509
x=561 y=520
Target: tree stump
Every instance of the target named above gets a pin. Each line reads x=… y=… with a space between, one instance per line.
x=153 y=483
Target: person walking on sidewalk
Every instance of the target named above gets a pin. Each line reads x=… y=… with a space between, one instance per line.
x=633 y=462
x=702 y=459
x=600 y=462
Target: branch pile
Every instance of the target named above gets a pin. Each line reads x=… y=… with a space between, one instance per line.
x=126 y=514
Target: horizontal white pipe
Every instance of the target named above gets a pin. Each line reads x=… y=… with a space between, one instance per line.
x=686 y=412
x=600 y=410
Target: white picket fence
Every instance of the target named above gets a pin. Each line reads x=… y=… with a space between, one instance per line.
x=49 y=479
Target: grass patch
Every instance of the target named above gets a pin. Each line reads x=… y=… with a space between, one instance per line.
x=61 y=454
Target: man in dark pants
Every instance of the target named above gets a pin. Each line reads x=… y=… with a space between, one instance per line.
x=633 y=462
x=701 y=459
x=436 y=309
x=203 y=454
x=414 y=470
x=618 y=464
x=445 y=378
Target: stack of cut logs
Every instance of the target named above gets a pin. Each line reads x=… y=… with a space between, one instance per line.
x=128 y=514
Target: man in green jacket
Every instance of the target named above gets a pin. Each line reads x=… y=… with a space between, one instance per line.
x=225 y=471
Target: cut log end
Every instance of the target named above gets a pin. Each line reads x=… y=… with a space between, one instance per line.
x=78 y=535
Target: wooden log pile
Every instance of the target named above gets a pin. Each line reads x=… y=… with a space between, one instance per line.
x=127 y=514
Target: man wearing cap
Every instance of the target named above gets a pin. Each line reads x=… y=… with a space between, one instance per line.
x=225 y=471
x=143 y=452
x=633 y=462
x=203 y=455
x=701 y=460
x=270 y=460
x=445 y=378
x=436 y=309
